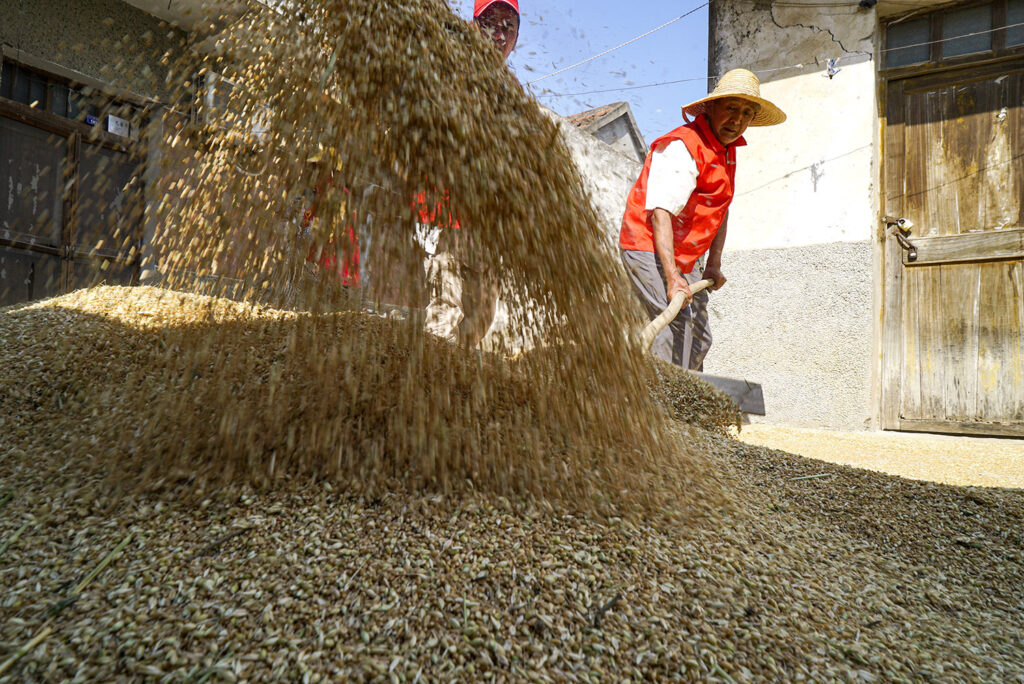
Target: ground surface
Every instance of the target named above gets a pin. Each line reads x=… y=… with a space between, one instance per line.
x=761 y=565
x=816 y=572
x=947 y=459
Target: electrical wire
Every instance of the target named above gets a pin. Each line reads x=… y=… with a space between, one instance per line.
x=946 y=40
x=842 y=3
x=765 y=71
x=628 y=42
x=653 y=85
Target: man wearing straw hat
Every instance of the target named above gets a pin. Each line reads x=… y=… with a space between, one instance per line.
x=678 y=208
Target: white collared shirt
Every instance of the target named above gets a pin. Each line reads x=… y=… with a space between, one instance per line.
x=672 y=178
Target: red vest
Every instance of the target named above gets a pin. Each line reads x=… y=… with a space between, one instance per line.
x=695 y=227
x=346 y=272
x=436 y=211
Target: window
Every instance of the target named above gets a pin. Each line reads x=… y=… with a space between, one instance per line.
x=52 y=94
x=907 y=43
x=982 y=30
x=35 y=89
x=967 y=31
x=1014 y=23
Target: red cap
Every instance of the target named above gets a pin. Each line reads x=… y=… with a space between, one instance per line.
x=480 y=5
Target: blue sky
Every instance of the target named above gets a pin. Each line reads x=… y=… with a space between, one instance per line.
x=556 y=34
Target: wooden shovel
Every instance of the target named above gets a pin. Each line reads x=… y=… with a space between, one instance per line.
x=748 y=395
x=669 y=314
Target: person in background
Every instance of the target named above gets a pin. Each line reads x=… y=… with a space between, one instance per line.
x=463 y=294
x=678 y=210
x=499 y=21
x=337 y=260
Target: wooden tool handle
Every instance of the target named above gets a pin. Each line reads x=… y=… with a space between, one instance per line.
x=669 y=314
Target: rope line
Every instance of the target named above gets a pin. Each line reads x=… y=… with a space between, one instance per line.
x=765 y=71
x=965 y=35
x=681 y=80
x=628 y=42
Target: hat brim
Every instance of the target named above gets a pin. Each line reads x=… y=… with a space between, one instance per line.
x=484 y=7
x=767 y=115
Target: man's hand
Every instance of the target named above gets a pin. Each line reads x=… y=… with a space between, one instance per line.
x=714 y=273
x=674 y=282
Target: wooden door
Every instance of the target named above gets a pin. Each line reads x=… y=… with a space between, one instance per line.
x=32 y=239
x=953 y=320
x=108 y=217
x=71 y=198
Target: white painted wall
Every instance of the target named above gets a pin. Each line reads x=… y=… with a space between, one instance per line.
x=810 y=180
x=608 y=174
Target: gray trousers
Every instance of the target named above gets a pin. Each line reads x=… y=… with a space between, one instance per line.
x=686 y=340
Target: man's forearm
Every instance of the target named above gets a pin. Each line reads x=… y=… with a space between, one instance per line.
x=664 y=245
x=717 y=245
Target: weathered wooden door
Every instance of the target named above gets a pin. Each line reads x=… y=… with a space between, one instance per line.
x=32 y=207
x=953 y=320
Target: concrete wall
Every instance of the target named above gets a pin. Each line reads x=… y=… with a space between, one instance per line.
x=104 y=40
x=607 y=173
x=798 y=321
x=618 y=135
x=798 y=312
x=102 y=43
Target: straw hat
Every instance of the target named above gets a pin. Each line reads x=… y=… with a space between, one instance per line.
x=743 y=84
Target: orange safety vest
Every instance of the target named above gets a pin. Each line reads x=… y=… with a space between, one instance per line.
x=695 y=227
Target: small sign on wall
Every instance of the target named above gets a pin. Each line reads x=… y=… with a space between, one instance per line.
x=118 y=126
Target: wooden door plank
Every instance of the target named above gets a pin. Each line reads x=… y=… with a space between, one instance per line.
x=1017 y=287
x=990 y=245
x=964 y=428
x=1001 y=175
x=924 y=344
x=910 y=375
x=958 y=317
x=933 y=340
x=892 y=317
x=931 y=192
x=965 y=130
x=1000 y=345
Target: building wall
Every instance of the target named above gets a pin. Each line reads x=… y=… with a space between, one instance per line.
x=798 y=321
x=607 y=177
x=102 y=42
x=106 y=40
x=618 y=134
x=797 y=314
x=607 y=173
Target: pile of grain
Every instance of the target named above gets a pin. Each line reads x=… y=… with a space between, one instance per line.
x=691 y=400
x=155 y=385
x=819 y=572
x=434 y=521
x=393 y=100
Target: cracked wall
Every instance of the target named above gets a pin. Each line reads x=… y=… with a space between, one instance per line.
x=812 y=179
x=798 y=312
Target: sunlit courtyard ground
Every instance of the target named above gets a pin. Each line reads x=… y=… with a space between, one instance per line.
x=955 y=460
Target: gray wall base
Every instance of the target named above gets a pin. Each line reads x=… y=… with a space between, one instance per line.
x=799 y=321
